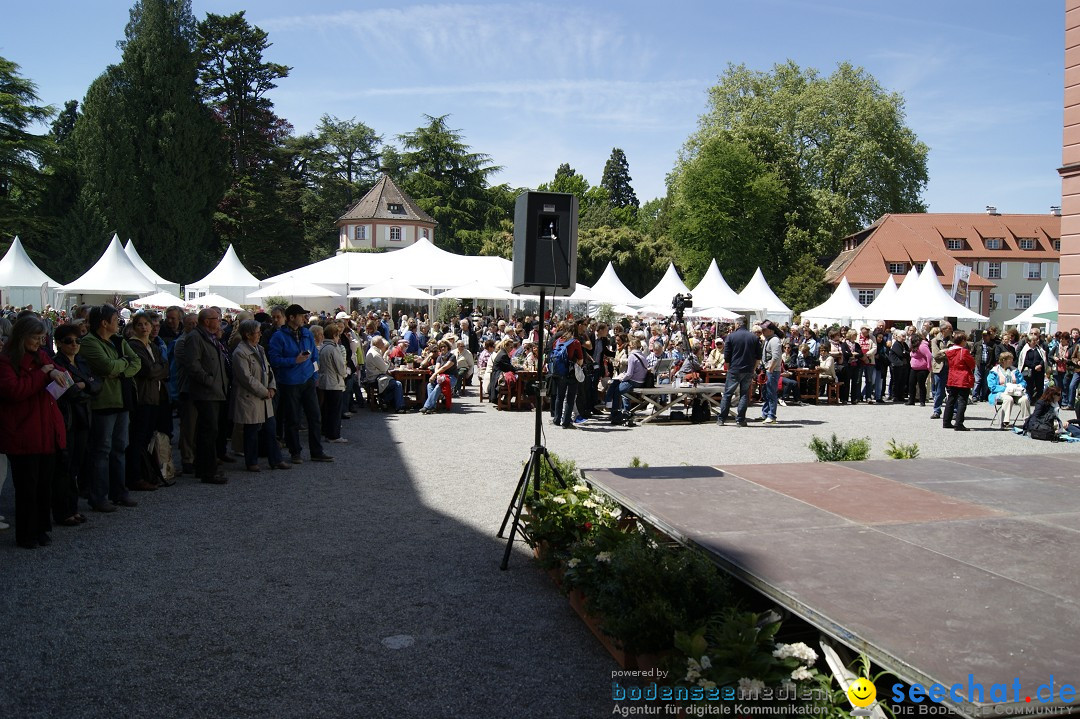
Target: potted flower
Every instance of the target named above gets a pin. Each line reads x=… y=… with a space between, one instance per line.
x=409 y=360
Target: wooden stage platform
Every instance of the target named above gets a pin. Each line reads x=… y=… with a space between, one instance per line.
x=936 y=568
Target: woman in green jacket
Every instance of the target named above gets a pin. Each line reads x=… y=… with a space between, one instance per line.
x=111 y=358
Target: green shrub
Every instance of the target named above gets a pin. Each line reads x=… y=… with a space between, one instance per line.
x=635 y=461
x=272 y=301
x=902 y=451
x=840 y=451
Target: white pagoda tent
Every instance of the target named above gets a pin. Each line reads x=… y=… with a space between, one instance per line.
x=713 y=291
x=840 y=308
x=160 y=283
x=113 y=274
x=230 y=279
x=1045 y=302
x=609 y=288
x=758 y=297
x=870 y=313
x=896 y=305
x=666 y=289
x=930 y=301
x=21 y=280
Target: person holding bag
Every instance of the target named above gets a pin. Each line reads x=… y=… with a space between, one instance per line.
x=253 y=404
x=1009 y=387
x=31 y=427
x=149 y=390
x=70 y=476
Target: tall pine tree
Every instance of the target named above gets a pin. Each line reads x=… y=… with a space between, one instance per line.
x=150 y=152
x=20 y=150
x=616 y=180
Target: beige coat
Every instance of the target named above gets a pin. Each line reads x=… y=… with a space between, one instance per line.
x=252 y=382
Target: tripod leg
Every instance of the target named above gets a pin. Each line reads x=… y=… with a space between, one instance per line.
x=522 y=482
x=554 y=470
x=517 y=504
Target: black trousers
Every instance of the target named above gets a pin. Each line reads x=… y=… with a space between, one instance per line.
x=69 y=464
x=899 y=377
x=331 y=413
x=143 y=422
x=917 y=385
x=957 y=402
x=206 y=436
x=32 y=475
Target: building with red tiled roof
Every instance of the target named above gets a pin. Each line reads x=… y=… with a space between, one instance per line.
x=1010 y=256
x=385 y=217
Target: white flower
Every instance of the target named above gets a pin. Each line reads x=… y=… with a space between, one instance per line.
x=559 y=500
x=581 y=488
x=588 y=504
x=750 y=687
x=614 y=513
x=693 y=675
x=573 y=562
x=603 y=557
x=707 y=684
x=705 y=663
x=802 y=673
x=798 y=650
x=598 y=498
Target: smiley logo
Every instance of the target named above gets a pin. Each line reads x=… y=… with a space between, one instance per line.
x=862 y=692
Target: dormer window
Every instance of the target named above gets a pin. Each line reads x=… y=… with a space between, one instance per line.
x=952 y=243
x=395 y=208
x=1027 y=243
x=994 y=243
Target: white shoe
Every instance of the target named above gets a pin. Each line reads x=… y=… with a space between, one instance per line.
x=339 y=440
x=782 y=403
x=769 y=420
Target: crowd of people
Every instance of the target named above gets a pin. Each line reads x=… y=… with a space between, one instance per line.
x=93 y=401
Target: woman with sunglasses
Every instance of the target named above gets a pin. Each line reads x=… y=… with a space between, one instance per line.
x=31 y=428
x=70 y=479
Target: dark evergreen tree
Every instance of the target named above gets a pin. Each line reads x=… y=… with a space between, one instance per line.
x=21 y=151
x=616 y=180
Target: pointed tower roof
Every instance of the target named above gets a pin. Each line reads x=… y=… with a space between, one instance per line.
x=112 y=273
x=758 y=295
x=230 y=272
x=386 y=201
x=18 y=270
x=668 y=286
x=714 y=291
x=609 y=288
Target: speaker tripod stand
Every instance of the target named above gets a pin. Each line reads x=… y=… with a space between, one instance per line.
x=537 y=455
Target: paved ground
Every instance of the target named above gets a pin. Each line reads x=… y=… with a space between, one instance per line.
x=365 y=588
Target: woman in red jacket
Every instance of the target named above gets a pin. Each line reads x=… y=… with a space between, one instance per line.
x=31 y=428
x=961 y=380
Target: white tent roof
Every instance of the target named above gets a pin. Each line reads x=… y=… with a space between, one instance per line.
x=230 y=272
x=141 y=266
x=712 y=313
x=757 y=295
x=421 y=264
x=160 y=300
x=113 y=273
x=668 y=286
x=888 y=290
x=477 y=290
x=291 y=287
x=18 y=270
x=212 y=300
x=393 y=289
x=714 y=291
x=1045 y=302
x=930 y=301
x=840 y=307
x=609 y=288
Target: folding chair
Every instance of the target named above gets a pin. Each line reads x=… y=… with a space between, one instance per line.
x=999 y=413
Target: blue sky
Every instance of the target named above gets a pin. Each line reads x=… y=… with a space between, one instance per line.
x=537 y=84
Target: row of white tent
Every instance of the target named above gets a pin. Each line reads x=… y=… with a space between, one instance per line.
x=121 y=271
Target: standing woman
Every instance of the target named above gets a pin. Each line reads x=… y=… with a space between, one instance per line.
x=253 y=405
x=920 y=360
x=1062 y=352
x=332 y=383
x=149 y=391
x=31 y=428
x=959 y=383
x=1032 y=364
x=70 y=477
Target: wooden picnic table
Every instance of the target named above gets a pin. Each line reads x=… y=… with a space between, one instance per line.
x=413 y=383
x=651 y=397
x=812 y=377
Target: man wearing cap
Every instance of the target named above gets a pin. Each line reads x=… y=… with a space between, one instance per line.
x=742 y=350
x=292 y=354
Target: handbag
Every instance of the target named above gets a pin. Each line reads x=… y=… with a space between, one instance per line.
x=382 y=383
x=579 y=373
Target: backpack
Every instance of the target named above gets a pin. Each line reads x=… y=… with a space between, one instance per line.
x=560 y=360
x=1042 y=426
x=699 y=411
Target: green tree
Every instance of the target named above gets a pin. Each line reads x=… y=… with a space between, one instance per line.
x=150 y=153
x=449 y=182
x=21 y=151
x=804 y=287
x=640 y=262
x=616 y=180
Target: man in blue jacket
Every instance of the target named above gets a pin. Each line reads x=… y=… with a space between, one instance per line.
x=292 y=354
x=742 y=350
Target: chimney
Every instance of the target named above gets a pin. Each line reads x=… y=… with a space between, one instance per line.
x=1055 y=210
x=991 y=210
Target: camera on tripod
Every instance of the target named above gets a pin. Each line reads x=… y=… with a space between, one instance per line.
x=679 y=303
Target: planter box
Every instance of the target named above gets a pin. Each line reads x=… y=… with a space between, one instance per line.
x=625 y=659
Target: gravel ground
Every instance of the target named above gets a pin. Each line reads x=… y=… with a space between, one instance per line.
x=367 y=587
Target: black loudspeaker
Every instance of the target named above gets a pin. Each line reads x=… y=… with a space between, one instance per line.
x=545 y=243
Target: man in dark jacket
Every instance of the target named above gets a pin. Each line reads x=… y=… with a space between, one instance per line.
x=899 y=365
x=742 y=351
x=986 y=352
x=206 y=367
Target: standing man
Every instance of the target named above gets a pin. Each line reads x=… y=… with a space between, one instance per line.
x=770 y=357
x=468 y=335
x=940 y=368
x=170 y=327
x=741 y=353
x=208 y=387
x=178 y=391
x=292 y=352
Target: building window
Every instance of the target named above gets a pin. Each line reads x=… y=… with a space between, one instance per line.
x=424 y=233
x=1034 y=270
x=395 y=208
x=1027 y=243
x=395 y=233
x=897 y=268
x=993 y=270
x=993 y=243
x=918 y=267
x=866 y=297
x=1023 y=301
x=953 y=244
x=1057 y=245
x=995 y=301
x=360 y=232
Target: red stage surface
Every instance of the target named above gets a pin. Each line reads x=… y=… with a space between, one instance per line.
x=937 y=569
